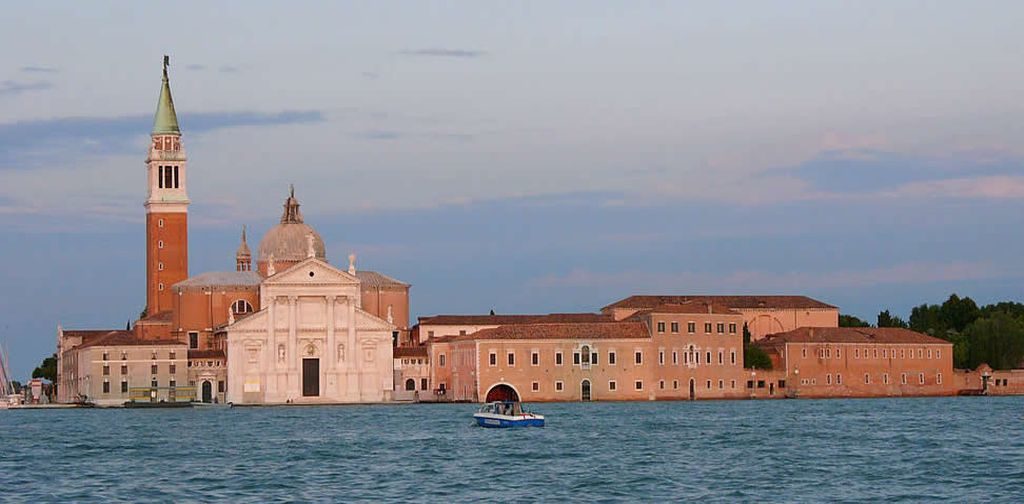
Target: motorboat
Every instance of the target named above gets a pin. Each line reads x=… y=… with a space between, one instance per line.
x=507 y=414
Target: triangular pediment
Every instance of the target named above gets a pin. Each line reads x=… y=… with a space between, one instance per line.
x=312 y=271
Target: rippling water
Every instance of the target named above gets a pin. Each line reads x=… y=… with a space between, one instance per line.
x=963 y=449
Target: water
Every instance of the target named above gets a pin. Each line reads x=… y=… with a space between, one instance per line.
x=962 y=449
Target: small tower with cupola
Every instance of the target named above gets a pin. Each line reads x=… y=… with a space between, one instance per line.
x=166 y=205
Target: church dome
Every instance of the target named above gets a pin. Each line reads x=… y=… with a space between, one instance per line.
x=288 y=242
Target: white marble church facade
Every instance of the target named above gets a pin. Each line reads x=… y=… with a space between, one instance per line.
x=310 y=343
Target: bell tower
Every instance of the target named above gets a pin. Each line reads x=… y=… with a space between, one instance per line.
x=166 y=205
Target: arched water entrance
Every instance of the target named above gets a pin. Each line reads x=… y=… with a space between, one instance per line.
x=502 y=392
x=585 y=390
x=207 y=392
x=693 y=389
x=410 y=384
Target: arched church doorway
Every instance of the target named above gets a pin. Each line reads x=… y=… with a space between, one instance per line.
x=502 y=392
x=585 y=390
x=207 y=392
x=693 y=389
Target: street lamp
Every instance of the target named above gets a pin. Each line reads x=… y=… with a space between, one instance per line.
x=796 y=381
x=753 y=384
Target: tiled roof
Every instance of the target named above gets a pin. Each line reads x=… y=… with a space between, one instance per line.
x=206 y=354
x=695 y=307
x=125 y=338
x=87 y=334
x=585 y=331
x=877 y=335
x=552 y=318
x=158 y=318
x=411 y=351
x=734 y=302
x=214 y=279
x=374 y=279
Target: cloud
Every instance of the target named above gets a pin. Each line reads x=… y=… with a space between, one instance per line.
x=445 y=53
x=398 y=135
x=9 y=87
x=751 y=281
x=868 y=171
x=28 y=144
x=38 y=69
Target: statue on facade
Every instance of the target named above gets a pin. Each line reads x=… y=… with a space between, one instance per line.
x=310 y=250
x=231 y=315
x=391 y=319
x=341 y=353
x=352 y=264
x=280 y=353
x=270 y=265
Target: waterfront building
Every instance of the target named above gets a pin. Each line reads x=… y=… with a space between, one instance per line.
x=433 y=326
x=412 y=374
x=281 y=312
x=111 y=367
x=763 y=315
x=861 y=362
x=690 y=350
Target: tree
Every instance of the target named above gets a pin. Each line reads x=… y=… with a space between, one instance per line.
x=885 y=319
x=47 y=370
x=851 y=321
x=997 y=340
x=958 y=313
x=928 y=319
x=753 y=356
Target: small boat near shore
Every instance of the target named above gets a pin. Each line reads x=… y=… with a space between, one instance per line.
x=499 y=414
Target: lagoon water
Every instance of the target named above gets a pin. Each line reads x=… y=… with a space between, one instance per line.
x=967 y=449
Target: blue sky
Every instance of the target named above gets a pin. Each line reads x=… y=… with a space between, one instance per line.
x=525 y=157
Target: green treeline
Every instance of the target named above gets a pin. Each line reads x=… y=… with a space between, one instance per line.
x=991 y=334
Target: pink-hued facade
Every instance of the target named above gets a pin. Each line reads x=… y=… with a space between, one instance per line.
x=862 y=362
x=652 y=356
x=763 y=314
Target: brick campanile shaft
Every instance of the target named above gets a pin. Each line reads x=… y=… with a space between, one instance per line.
x=166 y=205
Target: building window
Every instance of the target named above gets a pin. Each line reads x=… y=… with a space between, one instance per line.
x=708 y=358
x=106 y=356
x=511 y=359
x=535 y=359
x=839 y=379
x=675 y=357
x=721 y=357
x=173 y=383
x=159 y=223
x=593 y=358
x=675 y=384
x=885 y=378
x=661 y=384
x=903 y=378
x=856 y=353
x=903 y=354
x=828 y=353
x=721 y=328
x=691 y=327
x=423 y=384
x=106 y=370
x=585 y=355
x=154 y=383
x=639 y=385
x=732 y=384
x=241 y=306
x=867 y=378
x=803 y=352
x=661 y=358
x=885 y=353
x=558 y=358
x=938 y=378
x=611 y=357
x=172 y=355
x=154 y=368
x=661 y=327
x=124 y=387
x=160 y=286
x=638 y=357
x=559 y=386
x=920 y=378
x=440 y=360
x=707 y=327
x=920 y=353
x=611 y=385
x=576 y=358
x=732 y=357
x=838 y=352
x=430 y=334
x=675 y=327
x=160 y=244
x=124 y=369
x=721 y=384
x=174 y=368
x=535 y=386
x=462 y=332
x=709 y=385
x=732 y=328
x=938 y=354
x=159 y=266
x=193 y=340
x=828 y=379
x=492 y=359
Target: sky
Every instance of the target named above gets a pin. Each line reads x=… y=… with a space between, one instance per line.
x=526 y=157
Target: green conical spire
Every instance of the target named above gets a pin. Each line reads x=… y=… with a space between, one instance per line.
x=166 y=121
